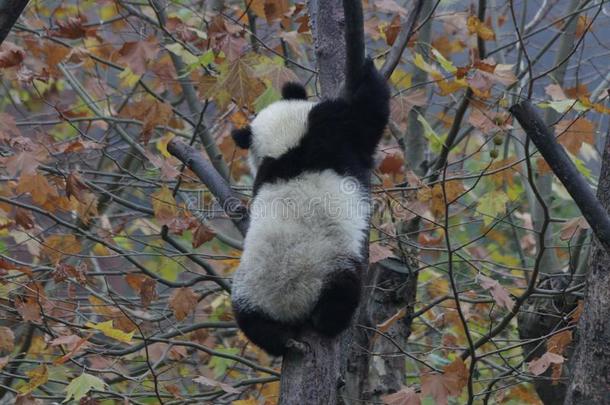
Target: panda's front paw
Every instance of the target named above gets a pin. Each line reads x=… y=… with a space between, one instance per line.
x=297 y=346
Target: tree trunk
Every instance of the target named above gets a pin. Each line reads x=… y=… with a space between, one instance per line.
x=313 y=378
x=590 y=364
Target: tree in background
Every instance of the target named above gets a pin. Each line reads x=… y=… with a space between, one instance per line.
x=117 y=256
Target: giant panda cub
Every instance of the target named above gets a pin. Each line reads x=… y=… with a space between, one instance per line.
x=309 y=214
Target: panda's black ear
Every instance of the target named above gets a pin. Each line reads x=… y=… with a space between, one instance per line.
x=242 y=137
x=294 y=91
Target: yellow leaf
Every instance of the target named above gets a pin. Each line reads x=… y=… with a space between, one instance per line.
x=249 y=401
x=401 y=79
x=101 y=250
x=162 y=144
x=492 y=205
x=38 y=186
x=56 y=247
x=107 y=329
x=38 y=376
x=477 y=26
x=164 y=205
x=128 y=78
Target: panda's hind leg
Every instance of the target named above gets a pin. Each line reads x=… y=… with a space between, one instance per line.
x=338 y=302
x=274 y=337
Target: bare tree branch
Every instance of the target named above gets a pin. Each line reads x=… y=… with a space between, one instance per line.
x=406 y=32
x=564 y=169
x=217 y=185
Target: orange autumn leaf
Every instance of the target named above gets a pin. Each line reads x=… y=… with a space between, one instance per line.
x=183 y=301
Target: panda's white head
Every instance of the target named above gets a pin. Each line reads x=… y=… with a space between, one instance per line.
x=277 y=128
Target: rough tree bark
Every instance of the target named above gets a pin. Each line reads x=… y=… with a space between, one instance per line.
x=590 y=364
x=10 y=10
x=314 y=377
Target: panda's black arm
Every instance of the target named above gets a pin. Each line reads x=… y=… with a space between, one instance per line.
x=369 y=108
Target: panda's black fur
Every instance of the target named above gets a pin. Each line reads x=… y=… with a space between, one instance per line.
x=300 y=271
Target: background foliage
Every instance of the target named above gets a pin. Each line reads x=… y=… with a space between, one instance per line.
x=116 y=261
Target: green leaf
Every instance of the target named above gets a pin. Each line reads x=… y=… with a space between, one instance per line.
x=582 y=167
x=269 y=96
x=178 y=49
x=444 y=62
x=207 y=58
x=436 y=142
x=220 y=364
x=491 y=205
x=563 y=106
x=81 y=385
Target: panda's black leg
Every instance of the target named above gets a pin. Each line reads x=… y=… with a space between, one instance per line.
x=272 y=336
x=338 y=302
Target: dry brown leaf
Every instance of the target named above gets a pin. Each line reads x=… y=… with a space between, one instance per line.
x=7 y=339
x=498 y=292
x=183 y=301
x=137 y=54
x=572 y=227
x=208 y=382
x=202 y=235
x=378 y=252
x=38 y=187
x=573 y=133
x=392 y=164
x=540 y=365
x=10 y=55
x=405 y=396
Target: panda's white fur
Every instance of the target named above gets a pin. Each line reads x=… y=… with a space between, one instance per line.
x=301 y=230
x=303 y=251
x=277 y=128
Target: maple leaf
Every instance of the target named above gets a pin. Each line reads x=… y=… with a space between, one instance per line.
x=378 y=252
x=450 y=383
x=145 y=286
x=540 y=365
x=498 y=292
x=558 y=342
x=37 y=377
x=202 y=235
x=183 y=301
x=137 y=54
x=76 y=187
x=38 y=186
x=392 y=164
x=275 y=70
x=72 y=28
x=7 y=339
x=556 y=92
x=573 y=133
x=8 y=127
x=570 y=228
x=81 y=385
x=24 y=162
x=152 y=112
x=238 y=82
x=405 y=396
x=164 y=205
x=385 y=325
x=275 y=9
x=10 y=55
x=208 y=382
x=28 y=309
x=57 y=246
x=482 y=29
x=108 y=329
x=492 y=205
